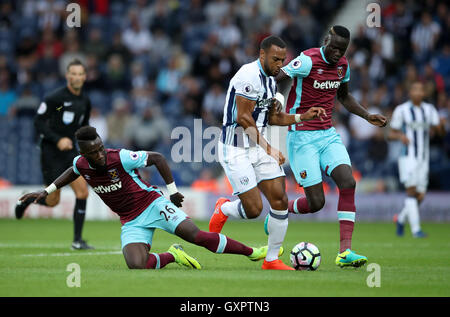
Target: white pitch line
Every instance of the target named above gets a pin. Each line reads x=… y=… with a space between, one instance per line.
x=76 y=253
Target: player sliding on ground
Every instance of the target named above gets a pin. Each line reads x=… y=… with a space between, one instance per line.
x=318 y=75
x=250 y=162
x=142 y=208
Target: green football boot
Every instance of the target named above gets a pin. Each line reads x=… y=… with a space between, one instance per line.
x=182 y=258
x=261 y=252
x=350 y=258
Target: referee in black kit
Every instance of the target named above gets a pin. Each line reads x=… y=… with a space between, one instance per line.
x=58 y=117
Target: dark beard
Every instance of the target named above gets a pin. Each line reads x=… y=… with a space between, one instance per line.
x=267 y=69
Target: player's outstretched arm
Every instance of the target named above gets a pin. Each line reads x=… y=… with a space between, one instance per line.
x=64 y=179
x=349 y=102
x=285 y=119
x=157 y=159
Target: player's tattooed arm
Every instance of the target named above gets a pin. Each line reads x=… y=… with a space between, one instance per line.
x=350 y=103
x=64 y=179
x=157 y=159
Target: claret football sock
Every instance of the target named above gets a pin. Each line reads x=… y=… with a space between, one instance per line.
x=299 y=206
x=158 y=261
x=219 y=243
x=346 y=215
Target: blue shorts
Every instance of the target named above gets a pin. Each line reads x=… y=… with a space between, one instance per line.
x=161 y=214
x=311 y=151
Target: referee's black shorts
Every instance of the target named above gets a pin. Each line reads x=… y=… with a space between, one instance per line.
x=55 y=162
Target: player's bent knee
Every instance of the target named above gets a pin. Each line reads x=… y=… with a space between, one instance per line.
x=253 y=211
x=280 y=203
x=316 y=204
x=135 y=263
x=52 y=201
x=136 y=266
x=82 y=194
x=347 y=183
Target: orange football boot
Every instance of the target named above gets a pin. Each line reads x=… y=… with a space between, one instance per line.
x=276 y=265
x=218 y=219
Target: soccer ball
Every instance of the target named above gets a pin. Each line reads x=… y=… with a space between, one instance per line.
x=305 y=256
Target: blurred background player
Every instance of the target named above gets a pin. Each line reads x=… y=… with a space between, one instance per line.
x=318 y=75
x=58 y=117
x=250 y=162
x=412 y=123
x=113 y=174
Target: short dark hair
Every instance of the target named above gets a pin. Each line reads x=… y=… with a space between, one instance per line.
x=272 y=40
x=75 y=62
x=340 y=30
x=86 y=133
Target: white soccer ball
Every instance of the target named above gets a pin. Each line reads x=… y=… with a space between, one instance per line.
x=305 y=256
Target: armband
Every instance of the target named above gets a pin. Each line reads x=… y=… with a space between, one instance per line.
x=51 y=188
x=172 y=188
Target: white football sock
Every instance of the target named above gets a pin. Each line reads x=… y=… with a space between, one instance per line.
x=276 y=226
x=413 y=214
x=234 y=209
x=402 y=215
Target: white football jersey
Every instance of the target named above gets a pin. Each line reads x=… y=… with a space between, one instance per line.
x=250 y=82
x=415 y=122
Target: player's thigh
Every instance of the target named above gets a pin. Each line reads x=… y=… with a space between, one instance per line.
x=80 y=188
x=136 y=255
x=304 y=160
x=162 y=214
x=333 y=154
x=238 y=168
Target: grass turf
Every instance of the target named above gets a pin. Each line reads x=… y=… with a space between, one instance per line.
x=34 y=254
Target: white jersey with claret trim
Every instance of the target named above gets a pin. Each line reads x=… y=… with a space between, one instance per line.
x=250 y=82
x=415 y=122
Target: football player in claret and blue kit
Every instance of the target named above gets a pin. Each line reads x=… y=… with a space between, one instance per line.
x=314 y=79
x=142 y=208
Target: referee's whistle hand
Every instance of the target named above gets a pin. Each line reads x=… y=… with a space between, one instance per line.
x=65 y=144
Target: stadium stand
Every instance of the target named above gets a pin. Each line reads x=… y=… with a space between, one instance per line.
x=169 y=56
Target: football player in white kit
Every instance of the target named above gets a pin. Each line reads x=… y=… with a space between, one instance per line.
x=250 y=162
x=411 y=124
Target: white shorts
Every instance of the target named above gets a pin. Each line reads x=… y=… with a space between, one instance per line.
x=413 y=173
x=246 y=167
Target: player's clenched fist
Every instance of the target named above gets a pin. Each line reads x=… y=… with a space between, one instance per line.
x=377 y=119
x=277 y=155
x=177 y=199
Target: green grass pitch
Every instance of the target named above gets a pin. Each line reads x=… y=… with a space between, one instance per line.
x=35 y=253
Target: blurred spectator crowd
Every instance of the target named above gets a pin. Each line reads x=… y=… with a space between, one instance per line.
x=153 y=65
